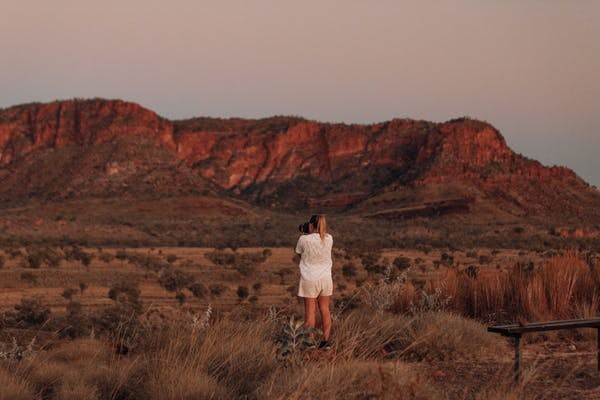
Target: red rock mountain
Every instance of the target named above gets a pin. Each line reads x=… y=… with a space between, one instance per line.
x=103 y=148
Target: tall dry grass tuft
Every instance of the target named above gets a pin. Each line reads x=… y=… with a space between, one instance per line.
x=14 y=387
x=565 y=287
x=80 y=367
x=350 y=380
x=228 y=360
x=362 y=335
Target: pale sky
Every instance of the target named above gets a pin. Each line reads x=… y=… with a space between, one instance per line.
x=531 y=68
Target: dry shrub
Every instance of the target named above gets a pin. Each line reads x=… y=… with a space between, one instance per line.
x=14 y=387
x=350 y=380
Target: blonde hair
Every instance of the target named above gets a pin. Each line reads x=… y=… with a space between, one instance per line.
x=319 y=222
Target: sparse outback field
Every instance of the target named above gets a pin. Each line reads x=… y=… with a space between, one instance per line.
x=195 y=323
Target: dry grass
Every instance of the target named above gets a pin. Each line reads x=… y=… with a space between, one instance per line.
x=350 y=380
x=233 y=358
x=564 y=287
x=14 y=387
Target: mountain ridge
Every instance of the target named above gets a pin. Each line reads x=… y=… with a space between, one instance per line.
x=109 y=148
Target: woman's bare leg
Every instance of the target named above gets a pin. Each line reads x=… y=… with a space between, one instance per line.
x=325 y=315
x=310 y=310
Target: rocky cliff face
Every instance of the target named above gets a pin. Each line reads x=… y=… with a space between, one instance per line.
x=276 y=162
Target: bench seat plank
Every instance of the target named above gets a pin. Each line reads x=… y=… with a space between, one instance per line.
x=516 y=329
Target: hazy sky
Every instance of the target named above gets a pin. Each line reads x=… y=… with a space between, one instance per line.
x=531 y=68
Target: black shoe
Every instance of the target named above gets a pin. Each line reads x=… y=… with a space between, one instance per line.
x=324 y=345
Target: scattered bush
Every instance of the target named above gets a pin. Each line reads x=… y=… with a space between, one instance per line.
x=125 y=291
x=106 y=257
x=402 y=263
x=217 y=289
x=31 y=313
x=242 y=292
x=349 y=270
x=198 y=290
x=174 y=280
x=68 y=293
x=29 y=277
x=244 y=262
x=75 y=253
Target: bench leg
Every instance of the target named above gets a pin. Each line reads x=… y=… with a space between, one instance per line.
x=517 y=364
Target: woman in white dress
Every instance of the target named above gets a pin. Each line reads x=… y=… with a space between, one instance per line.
x=316 y=285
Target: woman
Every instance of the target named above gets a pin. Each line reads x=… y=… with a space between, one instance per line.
x=316 y=285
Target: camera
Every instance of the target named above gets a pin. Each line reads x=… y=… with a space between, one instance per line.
x=303 y=228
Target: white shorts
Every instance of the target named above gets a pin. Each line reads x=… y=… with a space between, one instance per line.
x=314 y=289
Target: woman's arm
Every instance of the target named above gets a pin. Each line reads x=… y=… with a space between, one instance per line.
x=299 y=245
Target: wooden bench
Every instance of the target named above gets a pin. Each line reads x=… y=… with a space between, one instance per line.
x=515 y=331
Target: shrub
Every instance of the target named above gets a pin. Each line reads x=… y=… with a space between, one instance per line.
x=106 y=257
x=174 y=280
x=147 y=261
x=282 y=273
x=77 y=324
x=349 y=270
x=75 y=253
x=402 y=263
x=82 y=287
x=68 y=293
x=484 y=259
x=257 y=286
x=33 y=258
x=180 y=297
x=221 y=257
x=217 y=289
x=31 y=313
x=29 y=277
x=125 y=291
x=171 y=258
x=121 y=254
x=242 y=292
x=198 y=290
x=2 y=262
x=447 y=259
